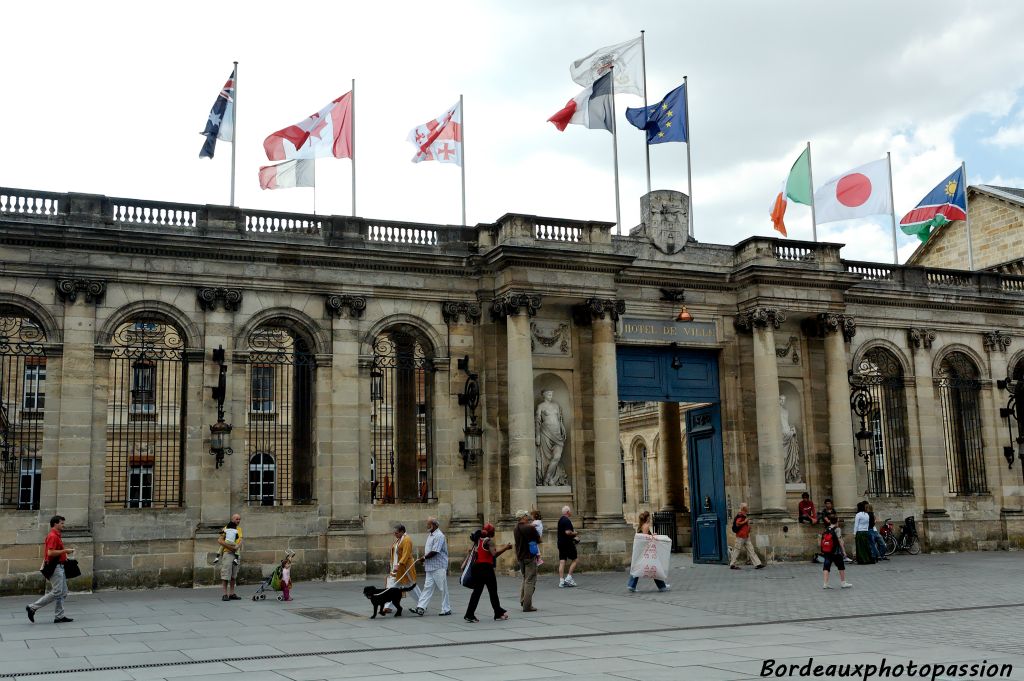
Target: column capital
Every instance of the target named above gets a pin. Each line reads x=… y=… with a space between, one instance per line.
x=759 y=318
x=451 y=310
x=596 y=308
x=230 y=298
x=94 y=290
x=512 y=303
x=996 y=340
x=336 y=305
x=918 y=337
x=825 y=323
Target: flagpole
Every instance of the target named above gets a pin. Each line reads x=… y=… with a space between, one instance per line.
x=462 y=134
x=353 y=146
x=967 y=217
x=892 y=208
x=234 y=133
x=810 y=176
x=615 y=154
x=314 y=185
x=689 y=172
x=647 y=146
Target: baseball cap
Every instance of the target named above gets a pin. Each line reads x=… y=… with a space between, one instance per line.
x=521 y=514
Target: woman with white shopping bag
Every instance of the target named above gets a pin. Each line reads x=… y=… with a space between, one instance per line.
x=651 y=555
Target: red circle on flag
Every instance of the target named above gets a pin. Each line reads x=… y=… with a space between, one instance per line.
x=853 y=190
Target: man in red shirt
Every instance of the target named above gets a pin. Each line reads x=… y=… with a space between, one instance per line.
x=805 y=509
x=54 y=552
x=741 y=526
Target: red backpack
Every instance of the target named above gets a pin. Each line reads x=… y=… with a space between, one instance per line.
x=828 y=542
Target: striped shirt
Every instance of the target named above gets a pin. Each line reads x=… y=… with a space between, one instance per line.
x=436 y=542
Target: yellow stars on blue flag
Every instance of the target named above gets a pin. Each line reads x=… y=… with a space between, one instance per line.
x=663 y=121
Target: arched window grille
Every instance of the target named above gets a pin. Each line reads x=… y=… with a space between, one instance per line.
x=146 y=416
x=401 y=393
x=645 y=480
x=281 y=379
x=888 y=467
x=22 y=403
x=262 y=479
x=959 y=389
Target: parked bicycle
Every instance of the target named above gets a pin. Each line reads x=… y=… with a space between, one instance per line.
x=907 y=540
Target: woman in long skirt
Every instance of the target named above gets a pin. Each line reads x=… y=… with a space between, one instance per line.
x=861 y=522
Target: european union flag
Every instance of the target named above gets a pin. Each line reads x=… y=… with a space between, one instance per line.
x=664 y=121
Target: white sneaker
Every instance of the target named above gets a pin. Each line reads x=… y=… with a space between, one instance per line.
x=570 y=581
x=562 y=584
x=667 y=587
x=825 y=586
x=846 y=585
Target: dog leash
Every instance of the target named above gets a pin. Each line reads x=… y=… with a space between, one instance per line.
x=404 y=575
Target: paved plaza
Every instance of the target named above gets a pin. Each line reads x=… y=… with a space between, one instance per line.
x=715 y=624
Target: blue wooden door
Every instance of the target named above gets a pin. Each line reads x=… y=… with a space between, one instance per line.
x=707 y=484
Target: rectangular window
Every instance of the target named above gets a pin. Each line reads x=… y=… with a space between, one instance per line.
x=262 y=389
x=143 y=397
x=28 y=484
x=140 y=486
x=34 y=393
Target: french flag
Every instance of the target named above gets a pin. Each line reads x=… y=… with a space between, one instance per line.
x=297 y=173
x=591 y=108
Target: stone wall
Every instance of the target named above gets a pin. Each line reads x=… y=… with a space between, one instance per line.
x=996 y=236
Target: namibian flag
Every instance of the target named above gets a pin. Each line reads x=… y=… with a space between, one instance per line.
x=945 y=203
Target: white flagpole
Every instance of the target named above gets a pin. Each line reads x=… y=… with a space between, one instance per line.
x=689 y=172
x=353 y=105
x=462 y=133
x=234 y=131
x=892 y=207
x=314 y=185
x=810 y=176
x=967 y=217
x=615 y=153
x=647 y=147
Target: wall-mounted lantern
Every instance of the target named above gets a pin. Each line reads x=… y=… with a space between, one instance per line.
x=862 y=405
x=376 y=384
x=220 y=432
x=6 y=448
x=471 y=448
x=1013 y=412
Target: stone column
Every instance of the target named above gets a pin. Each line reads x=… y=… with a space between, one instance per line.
x=670 y=458
x=761 y=322
x=838 y=330
x=929 y=423
x=462 y=318
x=522 y=448
x=78 y=376
x=1003 y=486
x=607 y=475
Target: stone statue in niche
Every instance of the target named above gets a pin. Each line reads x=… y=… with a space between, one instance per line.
x=790 y=444
x=550 y=442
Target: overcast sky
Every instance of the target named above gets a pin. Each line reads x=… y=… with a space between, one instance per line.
x=109 y=98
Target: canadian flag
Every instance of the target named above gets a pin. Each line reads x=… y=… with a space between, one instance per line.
x=328 y=132
x=858 y=193
x=439 y=139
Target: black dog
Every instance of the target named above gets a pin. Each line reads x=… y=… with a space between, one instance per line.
x=380 y=597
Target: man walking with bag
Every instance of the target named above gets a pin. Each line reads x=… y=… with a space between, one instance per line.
x=54 y=558
x=527 y=541
x=435 y=565
x=741 y=528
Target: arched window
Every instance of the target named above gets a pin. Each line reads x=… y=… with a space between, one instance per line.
x=262 y=479
x=146 y=415
x=281 y=381
x=22 y=402
x=401 y=393
x=888 y=469
x=959 y=390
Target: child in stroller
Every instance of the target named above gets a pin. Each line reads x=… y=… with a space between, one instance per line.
x=279 y=580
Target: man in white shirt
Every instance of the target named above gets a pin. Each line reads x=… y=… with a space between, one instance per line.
x=435 y=565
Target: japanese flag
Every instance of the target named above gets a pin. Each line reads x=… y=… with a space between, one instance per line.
x=858 y=193
x=439 y=139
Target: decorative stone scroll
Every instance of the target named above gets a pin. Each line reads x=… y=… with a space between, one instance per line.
x=759 y=317
x=794 y=346
x=452 y=310
x=673 y=295
x=94 y=290
x=512 y=303
x=996 y=340
x=919 y=337
x=599 y=307
x=831 y=322
x=230 y=298
x=336 y=304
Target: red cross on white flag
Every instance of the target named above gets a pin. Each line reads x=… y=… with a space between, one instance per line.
x=439 y=139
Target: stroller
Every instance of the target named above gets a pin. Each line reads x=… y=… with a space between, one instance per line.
x=272 y=582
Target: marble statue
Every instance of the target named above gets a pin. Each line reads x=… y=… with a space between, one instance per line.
x=790 y=444
x=550 y=442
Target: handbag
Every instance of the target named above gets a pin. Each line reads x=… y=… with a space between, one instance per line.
x=466 y=578
x=71 y=569
x=49 y=567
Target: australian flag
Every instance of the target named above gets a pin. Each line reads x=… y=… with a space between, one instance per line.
x=664 y=121
x=219 y=124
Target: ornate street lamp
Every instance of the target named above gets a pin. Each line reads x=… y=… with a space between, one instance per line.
x=376 y=384
x=472 y=446
x=1013 y=412
x=862 y=405
x=6 y=453
x=220 y=432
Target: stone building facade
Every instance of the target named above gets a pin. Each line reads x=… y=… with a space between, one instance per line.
x=377 y=372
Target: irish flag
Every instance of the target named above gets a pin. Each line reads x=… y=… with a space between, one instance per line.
x=945 y=203
x=796 y=188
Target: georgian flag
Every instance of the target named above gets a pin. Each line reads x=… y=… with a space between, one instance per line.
x=439 y=139
x=220 y=123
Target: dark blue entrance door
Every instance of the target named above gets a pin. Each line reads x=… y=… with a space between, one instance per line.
x=667 y=374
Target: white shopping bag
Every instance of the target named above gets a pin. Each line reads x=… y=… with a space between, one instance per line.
x=651 y=555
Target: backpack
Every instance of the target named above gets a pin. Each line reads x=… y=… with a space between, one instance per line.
x=735 y=527
x=828 y=542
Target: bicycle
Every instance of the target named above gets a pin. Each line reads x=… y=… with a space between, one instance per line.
x=906 y=541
